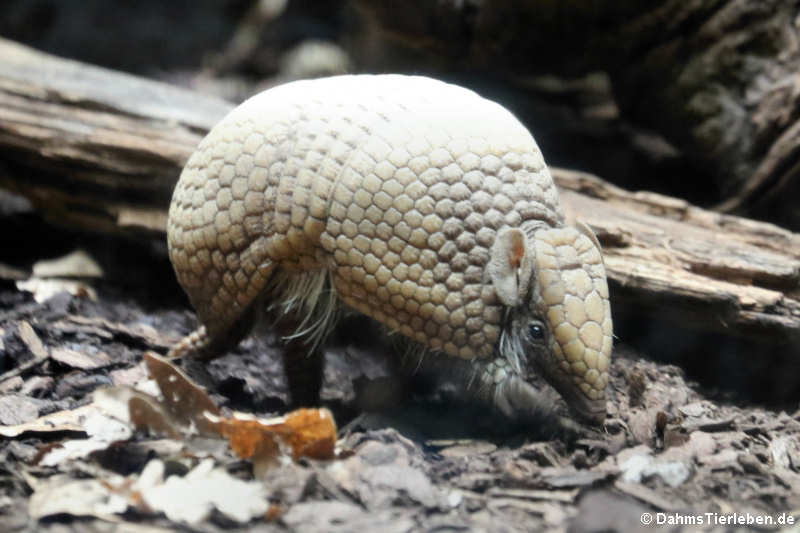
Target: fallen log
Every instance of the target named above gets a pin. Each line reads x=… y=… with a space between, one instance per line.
x=93 y=148
x=710 y=270
x=101 y=150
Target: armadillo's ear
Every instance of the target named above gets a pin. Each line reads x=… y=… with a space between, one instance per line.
x=584 y=228
x=511 y=266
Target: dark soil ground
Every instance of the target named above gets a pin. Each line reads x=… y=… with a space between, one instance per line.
x=667 y=451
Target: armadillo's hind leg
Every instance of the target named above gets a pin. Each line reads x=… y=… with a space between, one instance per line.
x=304 y=371
x=303 y=366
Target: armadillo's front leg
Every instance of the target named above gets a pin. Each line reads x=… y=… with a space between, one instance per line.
x=520 y=401
x=511 y=395
x=303 y=366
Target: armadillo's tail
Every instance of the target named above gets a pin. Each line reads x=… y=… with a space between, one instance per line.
x=204 y=345
x=195 y=342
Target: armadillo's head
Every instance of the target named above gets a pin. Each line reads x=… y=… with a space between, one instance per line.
x=553 y=283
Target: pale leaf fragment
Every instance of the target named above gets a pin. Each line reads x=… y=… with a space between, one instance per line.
x=86 y=497
x=76 y=264
x=102 y=430
x=191 y=499
x=71 y=420
x=81 y=360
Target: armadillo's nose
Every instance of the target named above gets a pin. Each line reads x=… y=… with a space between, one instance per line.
x=573 y=288
x=593 y=411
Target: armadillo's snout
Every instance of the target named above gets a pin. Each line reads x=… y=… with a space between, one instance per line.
x=572 y=290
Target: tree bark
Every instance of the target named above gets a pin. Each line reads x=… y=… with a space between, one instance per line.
x=100 y=150
x=91 y=147
x=717 y=78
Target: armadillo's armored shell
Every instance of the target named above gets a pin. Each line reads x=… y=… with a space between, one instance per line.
x=394 y=185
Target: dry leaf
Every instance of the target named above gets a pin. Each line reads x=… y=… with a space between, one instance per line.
x=102 y=430
x=60 y=421
x=306 y=432
x=186 y=406
x=148 y=414
x=141 y=410
x=76 y=264
x=191 y=498
x=311 y=433
x=250 y=440
x=44 y=289
x=113 y=401
x=86 y=497
x=186 y=401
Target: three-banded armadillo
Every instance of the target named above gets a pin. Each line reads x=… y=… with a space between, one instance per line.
x=416 y=202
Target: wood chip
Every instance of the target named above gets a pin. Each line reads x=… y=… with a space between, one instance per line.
x=36 y=386
x=564 y=496
x=468 y=449
x=727 y=458
x=17 y=409
x=694 y=409
x=142 y=333
x=32 y=340
x=553 y=514
x=11 y=384
x=70 y=327
x=697 y=444
x=71 y=420
x=36 y=347
x=642 y=424
x=128 y=376
x=567 y=477
x=83 y=361
x=45 y=289
x=780 y=448
x=542 y=453
x=76 y=264
x=710 y=425
x=648 y=496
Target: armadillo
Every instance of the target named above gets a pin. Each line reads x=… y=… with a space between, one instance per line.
x=415 y=202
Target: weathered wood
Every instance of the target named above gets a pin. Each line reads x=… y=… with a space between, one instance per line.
x=88 y=160
x=92 y=147
x=706 y=269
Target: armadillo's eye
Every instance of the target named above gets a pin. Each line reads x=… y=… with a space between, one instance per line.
x=536 y=331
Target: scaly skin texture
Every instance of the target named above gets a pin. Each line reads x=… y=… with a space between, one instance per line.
x=388 y=194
